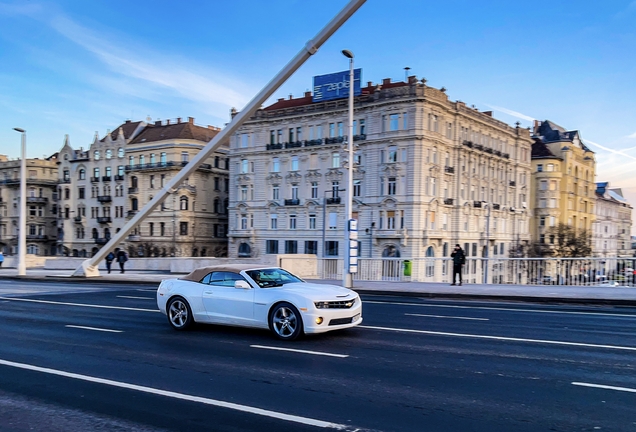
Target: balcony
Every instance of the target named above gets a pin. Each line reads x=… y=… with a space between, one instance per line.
x=104 y=219
x=334 y=140
x=449 y=170
x=37 y=237
x=496 y=207
x=432 y=234
x=37 y=200
x=77 y=219
x=468 y=144
x=94 y=179
x=448 y=201
x=134 y=238
x=513 y=183
x=101 y=241
x=133 y=190
x=104 y=198
x=106 y=178
x=119 y=177
x=314 y=142
x=294 y=144
x=278 y=146
x=131 y=213
x=292 y=202
x=360 y=137
x=505 y=155
x=477 y=204
x=66 y=180
x=334 y=200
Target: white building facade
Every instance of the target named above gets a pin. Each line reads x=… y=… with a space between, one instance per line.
x=428 y=173
x=611 y=231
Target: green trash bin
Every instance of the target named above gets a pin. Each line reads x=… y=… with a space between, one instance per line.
x=407 y=268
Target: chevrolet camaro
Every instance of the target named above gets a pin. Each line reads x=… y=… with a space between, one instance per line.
x=259 y=297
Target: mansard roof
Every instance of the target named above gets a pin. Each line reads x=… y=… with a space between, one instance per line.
x=183 y=130
x=541 y=151
x=550 y=132
x=128 y=127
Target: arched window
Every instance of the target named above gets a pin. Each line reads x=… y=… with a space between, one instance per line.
x=107 y=233
x=95 y=233
x=430 y=263
x=120 y=152
x=217 y=204
x=134 y=204
x=183 y=202
x=245 y=251
x=133 y=182
x=109 y=154
x=96 y=155
x=108 y=172
x=82 y=174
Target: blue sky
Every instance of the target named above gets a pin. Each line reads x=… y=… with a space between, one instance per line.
x=76 y=67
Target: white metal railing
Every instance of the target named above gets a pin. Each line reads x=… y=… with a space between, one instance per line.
x=518 y=271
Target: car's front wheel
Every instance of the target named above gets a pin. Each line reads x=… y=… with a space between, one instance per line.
x=285 y=322
x=179 y=313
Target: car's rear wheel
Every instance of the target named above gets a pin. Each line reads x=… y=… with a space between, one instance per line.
x=285 y=321
x=179 y=313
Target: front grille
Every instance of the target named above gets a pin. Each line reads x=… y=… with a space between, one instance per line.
x=341 y=304
x=339 y=321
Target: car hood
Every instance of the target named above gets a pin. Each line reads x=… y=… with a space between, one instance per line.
x=318 y=292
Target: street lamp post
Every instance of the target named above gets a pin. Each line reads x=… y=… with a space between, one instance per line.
x=347 y=276
x=22 y=223
x=487 y=242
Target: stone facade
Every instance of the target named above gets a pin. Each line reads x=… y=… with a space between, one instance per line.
x=120 y=173
x=428 y=173
x=611 y=231
x=41 y=188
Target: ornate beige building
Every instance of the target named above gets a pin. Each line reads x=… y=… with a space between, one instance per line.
x=429 y=172
x=103 y=187
x=42 y=178
x=611 y=231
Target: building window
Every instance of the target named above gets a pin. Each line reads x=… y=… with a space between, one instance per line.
x=331 y=248
x=357 y=188
x=311 y=247
x=312 y=221
x=183 y=203
x=185 y=157
x=96 y=172
x=333 y=220
x=82 y=174
x=394 y=122
x=291 y=246
x=314 y=189
x=363 y=129
x=142 y=160
x=109 y=154
x=245 y=166
x=273 y=221
x=151 y=229
x=272 y=136
x=340 y=129
x=392 y=186
x=81 y=193
x=271 y=247
x=294 y=163
x=131 y=161
x=291 y=135
x=96 y=155
x=183 y=228
x=292 y=221
x=392 y=154
x=390 y=220
x=335 y=189
x=120 y=152
x=275 y=165
x=540 y=168
x=243 y=193
x=294 y=191
x=332 y=130
x=162 y=229
x=243 y=221
x=245 y=140
x=335 y=160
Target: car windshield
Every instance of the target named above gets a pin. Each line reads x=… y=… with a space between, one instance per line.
x=273 y=277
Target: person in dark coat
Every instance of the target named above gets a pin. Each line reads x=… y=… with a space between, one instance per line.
x=459 y=259
x=109 y=260
x=122 y=257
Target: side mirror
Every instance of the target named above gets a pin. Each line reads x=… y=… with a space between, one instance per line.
x=242 y=284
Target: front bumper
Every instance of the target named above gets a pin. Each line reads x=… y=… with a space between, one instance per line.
x=332 y=319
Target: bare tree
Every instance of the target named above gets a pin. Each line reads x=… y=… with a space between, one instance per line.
x=563 y=241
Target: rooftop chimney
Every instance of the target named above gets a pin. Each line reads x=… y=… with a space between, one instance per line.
x=369 y=83
x=291 y=97
x=307 y=94
x=178 y=120
x=127 y=121
x=386 y=81
x=167 y=122
x=191 y=120
x=158 y=123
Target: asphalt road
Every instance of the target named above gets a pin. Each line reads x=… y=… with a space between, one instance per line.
x=413 y=365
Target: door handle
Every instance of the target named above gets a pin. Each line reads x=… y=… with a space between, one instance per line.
x=208 y=292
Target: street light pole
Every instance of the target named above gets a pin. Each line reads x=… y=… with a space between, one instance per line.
x=487 y=242
x=347 y=276
x=22 y=222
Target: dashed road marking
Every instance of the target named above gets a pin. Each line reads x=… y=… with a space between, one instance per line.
x=94 y=328
x=300 y=351
x=79 y=304
x=446 y=316
x=605 y=387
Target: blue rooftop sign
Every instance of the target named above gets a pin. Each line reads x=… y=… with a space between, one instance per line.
x=336 y=85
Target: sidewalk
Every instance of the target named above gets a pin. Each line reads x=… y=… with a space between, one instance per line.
x=529 y=293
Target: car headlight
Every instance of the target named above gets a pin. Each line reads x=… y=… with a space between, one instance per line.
x=321 y=305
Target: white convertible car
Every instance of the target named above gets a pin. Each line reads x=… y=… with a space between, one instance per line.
x=251 y=296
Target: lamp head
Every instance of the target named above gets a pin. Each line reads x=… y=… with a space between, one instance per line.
x=347 y=54
x=19 y=130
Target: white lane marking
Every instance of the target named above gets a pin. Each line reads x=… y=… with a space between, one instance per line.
x=502 y=338
x=94 y=328
x=605 y=387
x=136 y=298
x=79 y=304
x=445 y=316
x=182 y=396
x=503 y=309
x=300 y=351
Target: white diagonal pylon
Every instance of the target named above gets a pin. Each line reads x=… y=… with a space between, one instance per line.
x=89 y=267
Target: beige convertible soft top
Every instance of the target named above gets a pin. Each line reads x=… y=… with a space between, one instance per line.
x=198 y=274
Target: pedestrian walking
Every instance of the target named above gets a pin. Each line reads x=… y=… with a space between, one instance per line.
x=122 y=257
x=109 y=260
x=1 y=259
x=459 y=259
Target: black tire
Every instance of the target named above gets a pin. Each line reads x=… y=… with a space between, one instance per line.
x=179 y=313
x=285 y=321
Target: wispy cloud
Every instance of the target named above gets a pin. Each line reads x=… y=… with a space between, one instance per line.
x=511 y=112
x=632 y=135
x=607 y=149
x=156 y=69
